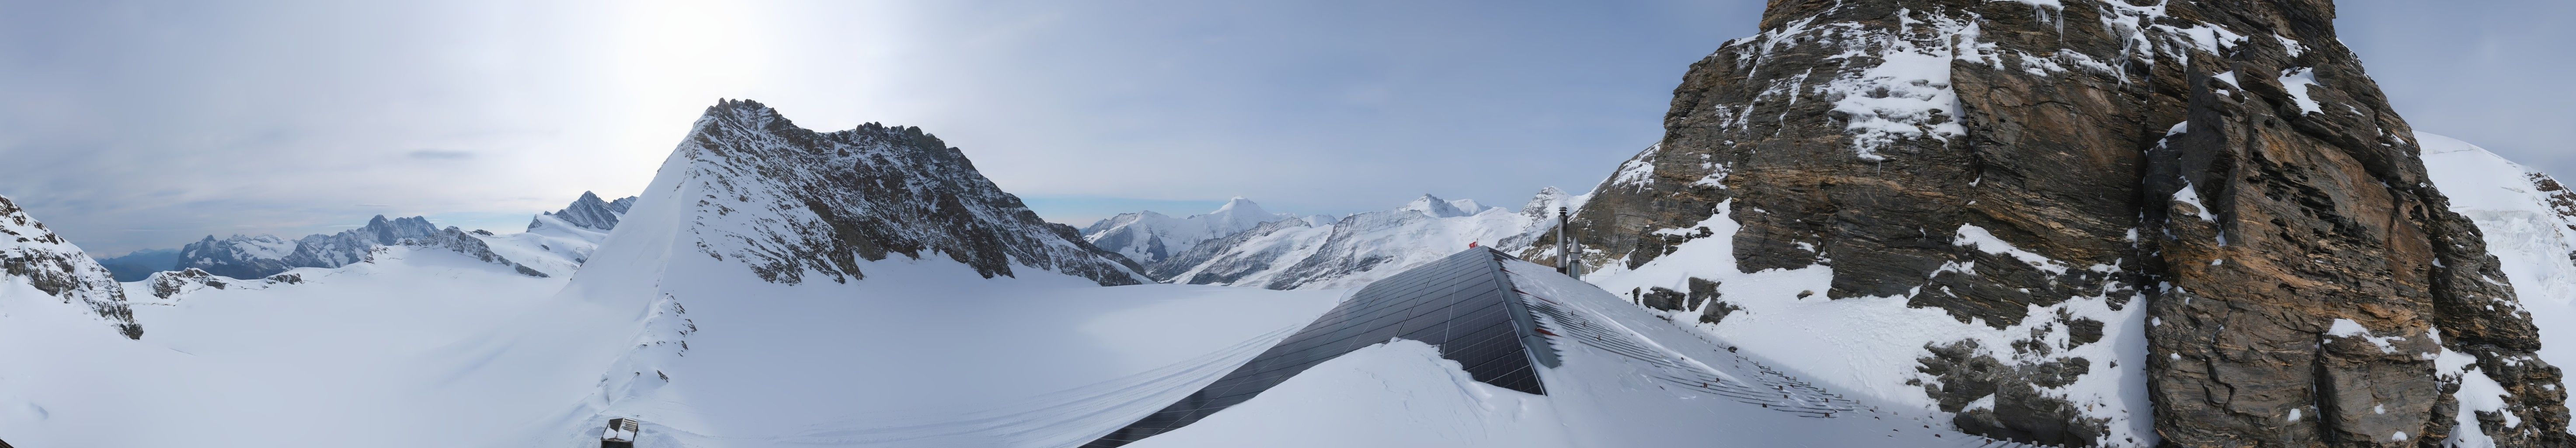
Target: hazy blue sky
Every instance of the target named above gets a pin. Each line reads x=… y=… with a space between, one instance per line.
x=143 y=125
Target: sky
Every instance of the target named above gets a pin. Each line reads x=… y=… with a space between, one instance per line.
x=135 y=125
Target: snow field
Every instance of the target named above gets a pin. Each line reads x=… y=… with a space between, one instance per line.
x=2533 y=241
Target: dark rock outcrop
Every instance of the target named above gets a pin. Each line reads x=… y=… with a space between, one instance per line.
x=1883 y=138
x=790 y=202
x=167 y=285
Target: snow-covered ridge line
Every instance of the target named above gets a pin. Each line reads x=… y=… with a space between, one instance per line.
x=1149 y=237
x=1363 y=247
x=588 y=212
x=790 y=202
x=252 y=257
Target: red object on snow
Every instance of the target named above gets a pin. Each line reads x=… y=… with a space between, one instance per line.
x=1471 y=244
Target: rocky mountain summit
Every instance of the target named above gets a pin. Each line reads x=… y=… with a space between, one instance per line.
x=559 y=242
x=588 y=212
x=790 y=202
x=32 y=255
x=2200 y=211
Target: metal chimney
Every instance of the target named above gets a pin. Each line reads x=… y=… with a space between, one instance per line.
x=1563 y=264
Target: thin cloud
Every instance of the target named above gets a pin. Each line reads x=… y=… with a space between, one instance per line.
x=440 y=154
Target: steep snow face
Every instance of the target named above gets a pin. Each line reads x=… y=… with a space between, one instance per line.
x=790 y=202
x=2529 y=221
x=1360 y=248
x=1148 y=237
x=44 y=276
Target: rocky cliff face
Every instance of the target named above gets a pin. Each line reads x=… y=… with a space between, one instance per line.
x=791 y=202
x=32 y=254
x=2039 y=170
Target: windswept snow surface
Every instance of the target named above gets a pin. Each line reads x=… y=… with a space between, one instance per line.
x=347 y=357
x=1641 y=384
x=447 y=351
x=2530 y=229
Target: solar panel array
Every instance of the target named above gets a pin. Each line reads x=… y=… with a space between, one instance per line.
x=1462 y=304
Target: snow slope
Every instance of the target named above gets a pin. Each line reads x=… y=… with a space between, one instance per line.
x=1148 y=237
x=681 y=321
x=558 y=242
x=355 y=353
x=1626 y=379
x=678 y=318
x=2529 y=221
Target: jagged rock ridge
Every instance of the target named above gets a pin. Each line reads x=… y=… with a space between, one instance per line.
x=589 y=212
x=790 y=202
x=33 y=254
x=2225 y=164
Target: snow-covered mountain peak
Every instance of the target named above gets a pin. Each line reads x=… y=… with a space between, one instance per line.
x=252 y=257
x=589 y=212
x=1439 y=208
x=1149 y=237
x=559 y=242
x=1239 y=207
x=1548 y=200
x=1321 y=254
x=749 y=186
x=34 y=256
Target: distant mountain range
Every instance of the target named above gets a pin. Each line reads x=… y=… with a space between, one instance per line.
x=552 y=237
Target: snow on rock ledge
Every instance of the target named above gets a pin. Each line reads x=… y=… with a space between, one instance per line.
x=34 y=256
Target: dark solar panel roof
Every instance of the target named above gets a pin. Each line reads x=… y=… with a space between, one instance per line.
x=1462 y=304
